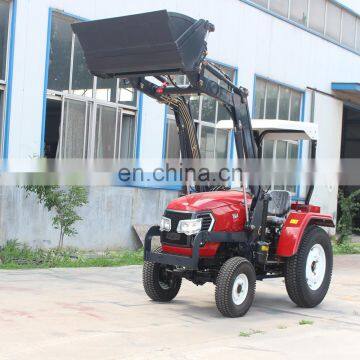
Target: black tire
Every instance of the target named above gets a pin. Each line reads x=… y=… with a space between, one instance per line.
x=300 y=291
x=158 y=284
x=226 y=283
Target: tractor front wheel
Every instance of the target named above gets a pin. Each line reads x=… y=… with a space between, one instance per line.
x=159 y=282
x=308 y=273
x=235 y=287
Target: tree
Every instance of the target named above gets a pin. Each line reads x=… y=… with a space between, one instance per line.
x=64 y=203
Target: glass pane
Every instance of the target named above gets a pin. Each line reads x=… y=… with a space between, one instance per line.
x=106 y=89
x=268 y=149
x=271 y=100
x=82 y=80
x=1 y=119
x=317 y=15
x=333 y=21
x=223 y=114
x=73 y=129
x=195 y=106
x=4 y=24
x=284 y=103
x=292 y=151
x=105 y=132
x=60 y=53
x=280 y=6
x=127 y=145
x=230 y=72
x=263 y=3
x=173 y=144
x=358 y=35
x=260 y=99
x=127 y=95
x=208 y=109
x=348 y=29
x=207 y=144
x=221 y=144
x=299 y=11
x=295 y=106
x=281 y=149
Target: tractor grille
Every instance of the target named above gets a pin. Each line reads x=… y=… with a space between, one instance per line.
x=207 y=221
x=174 y=238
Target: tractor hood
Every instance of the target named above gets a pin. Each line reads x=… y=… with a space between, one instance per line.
x=207 y=201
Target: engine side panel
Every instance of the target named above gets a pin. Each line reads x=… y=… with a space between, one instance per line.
x=294 y=228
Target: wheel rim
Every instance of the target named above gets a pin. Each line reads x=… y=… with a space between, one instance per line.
x=240 y=289
x=315 y=267
x=164 y=281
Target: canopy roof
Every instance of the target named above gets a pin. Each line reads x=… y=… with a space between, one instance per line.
x=279 y=129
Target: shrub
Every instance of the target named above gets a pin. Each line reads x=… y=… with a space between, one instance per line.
x=349 y=205
x=63 y=202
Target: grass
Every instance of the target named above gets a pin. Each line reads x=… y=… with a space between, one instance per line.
x=346 y=248
x=250 y=332
x=306 y=322
x=14 y=255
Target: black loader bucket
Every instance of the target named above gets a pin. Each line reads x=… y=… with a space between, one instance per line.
x=144 y=44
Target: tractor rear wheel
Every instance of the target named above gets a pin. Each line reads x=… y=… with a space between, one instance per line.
x=308 y=273
x=235 y=287
x=159 y=283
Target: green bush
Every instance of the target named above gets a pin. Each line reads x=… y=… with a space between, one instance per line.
x=349 y=206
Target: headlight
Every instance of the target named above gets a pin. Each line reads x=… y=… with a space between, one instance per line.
x=189 y=227
x=165 y=224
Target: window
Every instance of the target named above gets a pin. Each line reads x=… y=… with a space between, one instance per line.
x=1 y=114
x=299 y=11
x=60 y=53
x=82 y=81
x=333 y=21
x=348 y=29
x=97 y=116
x=127 y=143
x=280 y=6
x=105 y=130
x=74 y=125
x=4 y=25
x=275 y=101
x=358 y=36
x=206 y=112
x=4 y=31
x=317 y=15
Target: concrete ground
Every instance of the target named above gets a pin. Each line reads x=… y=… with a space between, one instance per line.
x=104 y=314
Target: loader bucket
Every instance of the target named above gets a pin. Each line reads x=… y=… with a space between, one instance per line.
x=143 y=44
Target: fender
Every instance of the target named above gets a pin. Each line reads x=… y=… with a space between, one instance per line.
x=294 y=228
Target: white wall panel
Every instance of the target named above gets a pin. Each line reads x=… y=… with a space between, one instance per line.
x=255 y=42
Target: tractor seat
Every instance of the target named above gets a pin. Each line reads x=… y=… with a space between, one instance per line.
x=279 y=206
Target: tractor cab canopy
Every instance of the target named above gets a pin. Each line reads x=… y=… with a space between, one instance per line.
x=278 y=129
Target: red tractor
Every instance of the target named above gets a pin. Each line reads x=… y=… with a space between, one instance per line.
x=230 y=238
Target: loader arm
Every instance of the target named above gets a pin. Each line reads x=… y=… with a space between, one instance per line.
x=173 y=44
